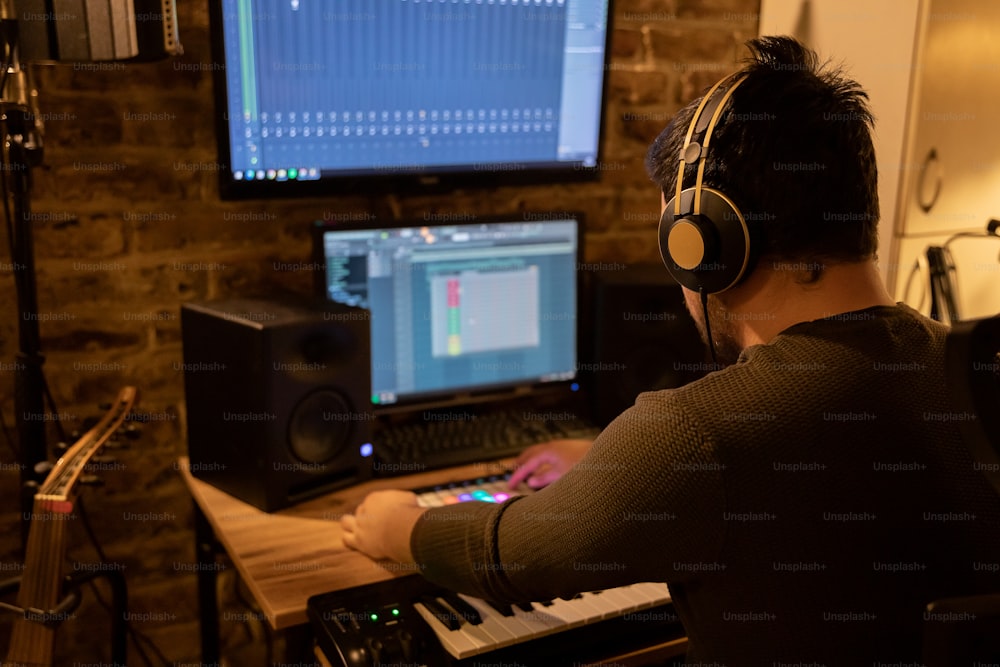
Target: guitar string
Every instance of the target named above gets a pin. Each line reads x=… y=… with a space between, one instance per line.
x=49 y=530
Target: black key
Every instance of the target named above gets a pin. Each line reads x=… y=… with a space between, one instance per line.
x=440 y=612
x=525 y=606
x=467 y=611
x=504 y=609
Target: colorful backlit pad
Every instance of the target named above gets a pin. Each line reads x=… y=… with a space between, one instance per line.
x=492 y=489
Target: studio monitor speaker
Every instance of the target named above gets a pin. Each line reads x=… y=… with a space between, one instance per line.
x=643 y=338
x=277 y=398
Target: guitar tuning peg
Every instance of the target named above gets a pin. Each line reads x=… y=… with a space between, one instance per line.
x=91 y=480
x=59 y=448
x=43 y=467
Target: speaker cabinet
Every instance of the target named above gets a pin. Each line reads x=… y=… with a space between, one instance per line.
x=277 y=398
x=643 y=338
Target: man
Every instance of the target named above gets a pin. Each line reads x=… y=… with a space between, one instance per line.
x=807 y=501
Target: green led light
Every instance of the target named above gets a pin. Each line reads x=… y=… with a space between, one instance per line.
x=293 y=173
x=374 y=617
x=375 y=398
x=395 y=612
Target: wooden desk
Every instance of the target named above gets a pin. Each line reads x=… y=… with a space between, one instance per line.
x=287 y=556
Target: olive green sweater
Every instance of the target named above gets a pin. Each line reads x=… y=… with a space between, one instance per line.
x=803 y=504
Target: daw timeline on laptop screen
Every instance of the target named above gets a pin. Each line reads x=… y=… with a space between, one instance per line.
x=460 y=308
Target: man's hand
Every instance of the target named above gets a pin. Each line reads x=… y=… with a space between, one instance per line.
x=542 y=464
x=381 y=525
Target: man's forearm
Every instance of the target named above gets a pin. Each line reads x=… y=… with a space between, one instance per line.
x=399 y=531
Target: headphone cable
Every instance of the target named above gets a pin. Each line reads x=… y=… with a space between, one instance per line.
x=708 y=327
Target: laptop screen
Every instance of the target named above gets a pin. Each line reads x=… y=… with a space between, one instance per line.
x=460 y=309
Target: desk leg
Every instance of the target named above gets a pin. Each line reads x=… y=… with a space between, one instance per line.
x=206 y=548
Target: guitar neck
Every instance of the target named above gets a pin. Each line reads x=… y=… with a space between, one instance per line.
x=33 y=637
x=31 y=642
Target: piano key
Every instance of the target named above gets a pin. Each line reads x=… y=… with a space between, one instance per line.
x=469 y=640
x=572 y=615
x=459 y=644
x=446 y=616
x=617 y=601
x=655 y=593
x=504 y=631
x=521 y=627
x=593 y=606
x=538 y=621
x=502 y=608
x=466 y=610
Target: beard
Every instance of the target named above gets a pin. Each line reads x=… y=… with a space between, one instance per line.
x=723 y=326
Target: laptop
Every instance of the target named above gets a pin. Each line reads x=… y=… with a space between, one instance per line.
x=474 y=331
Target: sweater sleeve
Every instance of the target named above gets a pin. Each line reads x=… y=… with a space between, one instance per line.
x=648 y=496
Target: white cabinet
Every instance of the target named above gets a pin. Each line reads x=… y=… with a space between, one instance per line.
x=932 y=70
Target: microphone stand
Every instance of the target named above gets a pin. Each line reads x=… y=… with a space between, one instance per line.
x=22 y=149
x=943 y=274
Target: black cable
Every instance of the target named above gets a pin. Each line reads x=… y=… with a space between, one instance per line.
x=52 y=406
x=708 y=326
x=137 y=636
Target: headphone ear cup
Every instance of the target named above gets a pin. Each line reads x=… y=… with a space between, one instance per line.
x=709 y=251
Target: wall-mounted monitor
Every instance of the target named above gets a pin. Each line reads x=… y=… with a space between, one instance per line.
x=316 y=97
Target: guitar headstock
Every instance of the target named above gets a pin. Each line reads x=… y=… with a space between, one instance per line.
x=59 y=486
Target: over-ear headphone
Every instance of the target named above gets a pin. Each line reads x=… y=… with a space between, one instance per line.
x=704 y=240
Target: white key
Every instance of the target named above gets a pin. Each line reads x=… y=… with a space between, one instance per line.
x=620 y=598
x=495 y=624
x=658 y=593
x=538 y=621
x=571 y=614
x=456 y=642
x=605 y=606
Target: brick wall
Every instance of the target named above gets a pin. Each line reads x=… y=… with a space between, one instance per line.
x=128 y=225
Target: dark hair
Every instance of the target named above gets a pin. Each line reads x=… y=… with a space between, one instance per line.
x=794 y=153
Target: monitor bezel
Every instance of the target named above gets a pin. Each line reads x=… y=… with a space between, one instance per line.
x=483 y=393
x=408 y=180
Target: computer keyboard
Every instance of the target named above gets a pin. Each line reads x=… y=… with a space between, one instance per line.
x=438 y=443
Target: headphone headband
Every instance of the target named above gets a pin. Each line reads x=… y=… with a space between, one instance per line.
x=704 y=240
x=705 y=118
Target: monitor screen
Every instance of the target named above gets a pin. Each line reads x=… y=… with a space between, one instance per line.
x=316 y=96
x=462 y=308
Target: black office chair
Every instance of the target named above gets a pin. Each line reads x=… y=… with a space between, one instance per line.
x=966 y=630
